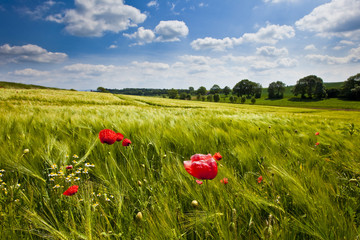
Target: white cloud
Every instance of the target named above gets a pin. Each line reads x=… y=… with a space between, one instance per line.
x=310 y=47
x=113 y=46
x=151 y=65
x=165 y=31
x=337 y=18
x=352 y=57
x=89 y=69
x=170 y=31
x=142 y=36
x=270 y=34
x=29 y=53
x=94 y=18
x=153 y=4
x=270 y=51
x=29 y=72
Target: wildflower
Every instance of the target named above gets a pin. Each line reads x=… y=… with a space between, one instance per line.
x=26 y=151
x=126 y=142
x=2 y=171
x=107 y=136
x=75 y=156
x=260 y=179
x=53 y=166
x=56 y=186
x=107 y=199
x=95 y=205
x=77 y=179
x=52 y=174
x=194 y=203
x=111 y=196
x=78 y=172
x=317 y=144
x=317 y=133
x=99 y=195
x=199 y=182
x=1 y=175
x=201 y=166
x=51 y=180
x=18 y=185
x=119 y=137
x=67 y=155
x=86 y=171
x=217 y=156
x=69 y=167
x=89 y=165
x=224 y=181
x=71 y=190
x=74 y=161
x=68 y=179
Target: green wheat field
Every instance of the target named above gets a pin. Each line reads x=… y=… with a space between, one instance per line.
x=309 y=189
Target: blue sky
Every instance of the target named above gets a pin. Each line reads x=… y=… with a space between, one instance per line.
x=84 y=44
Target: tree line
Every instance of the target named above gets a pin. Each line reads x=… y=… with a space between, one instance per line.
x=310 y=87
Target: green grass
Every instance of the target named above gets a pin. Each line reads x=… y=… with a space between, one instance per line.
x=12 y=85
x=308 y=192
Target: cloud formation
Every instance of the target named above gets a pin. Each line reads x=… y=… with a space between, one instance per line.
x=29 y=72
x=165 y=31
x=270 y=34
x=352 y=57
x=29 y=53
x=94 y=18
x=337 y=18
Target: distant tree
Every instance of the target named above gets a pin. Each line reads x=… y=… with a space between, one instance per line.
x=191 y=90
x=198 y=97
x=231 y=99
x=227 y=90
x=210 y=98
x=276 y=89
x=183 y=96
x=188 y=97
x=202 y=90
x=216 y=97
x=332 y=92
x=308 y=85
x=215 y=89
x=243 y=99
x=351 y=87
x=102 y=89
x=248 y=88
x=253 y=100
x=173 y=93
x=203 y=98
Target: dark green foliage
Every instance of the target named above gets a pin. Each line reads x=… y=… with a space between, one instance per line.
x=248 y=88
x=351 y=87
x=183 y=96
x=173 y=93
x=276 y=89
x=310 y=86
x=202 y=90
x=226 y=90
x=216 y=97
x=332 y=92
x=253 y=100
x=215 y=89
x=210 y=98
x=243 y=99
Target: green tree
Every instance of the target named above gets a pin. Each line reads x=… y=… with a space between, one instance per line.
x=227 y=90
x=248 y=88
x=308 y=85
x=102 y=89
x=215 y=89
x=173 y=93
x=243 y=100
x=183 y=96
x=210 y=98
x=253 y=100
x=276 y=89
x=202 y=90
x=191 y=90
x=351 y=87
x=216 y=97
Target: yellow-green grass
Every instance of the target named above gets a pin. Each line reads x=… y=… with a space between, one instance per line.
x=307 y=192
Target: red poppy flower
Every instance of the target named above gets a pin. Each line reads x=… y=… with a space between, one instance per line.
x=224 y=181
x=126 y=142
x=107 y=136
x=201 y=166
x=260 y=179
x=199 y=182
x=317 y=133
x=71 y=190
x=217 y=156
x=69 y=167
x=317 y=144
x=119 y=137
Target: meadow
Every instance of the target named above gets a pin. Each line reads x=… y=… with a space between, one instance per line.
x=282 y=180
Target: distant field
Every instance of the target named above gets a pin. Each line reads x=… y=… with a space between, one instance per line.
x=283 y=180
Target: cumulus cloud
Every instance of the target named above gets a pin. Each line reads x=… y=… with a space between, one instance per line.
x=152 y=65
x=40 y=11
x=352 y=57
x=170 y=31
x=165 y=31
x=270 y=34
x=29 y=72
x=142 y=36
x=270 y=51
x=89 y=69
x=94 y=18
x=337 y=18
x=29 y=53
x=310 y=47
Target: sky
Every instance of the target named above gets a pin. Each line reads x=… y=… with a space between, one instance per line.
x=85 y=44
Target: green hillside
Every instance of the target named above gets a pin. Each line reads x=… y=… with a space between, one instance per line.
x=12 y=85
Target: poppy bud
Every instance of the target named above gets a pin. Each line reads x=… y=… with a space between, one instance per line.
x=126 y=142
x=194 y=203
x=107 y=136
x=139 y=216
